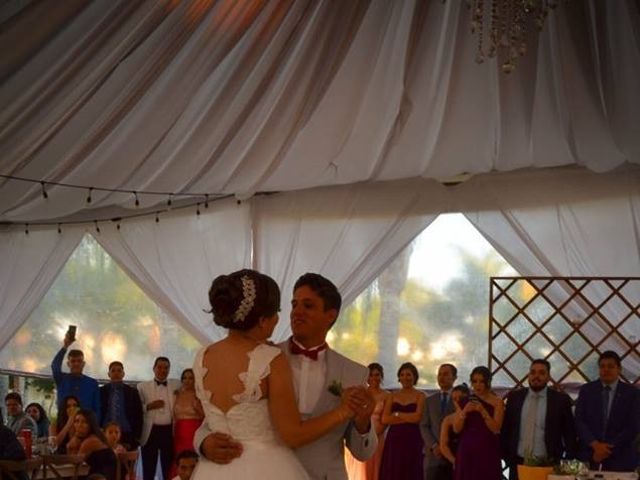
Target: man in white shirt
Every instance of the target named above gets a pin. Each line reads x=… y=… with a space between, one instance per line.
x=157 y=429
x=318 y=375
x=538 y=421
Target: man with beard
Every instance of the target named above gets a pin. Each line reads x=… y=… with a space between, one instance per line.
x=538 y=421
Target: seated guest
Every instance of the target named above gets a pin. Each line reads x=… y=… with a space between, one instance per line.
x=186 y=463
x=112 y=433
x=608 y=418
x=35 y=411
x=10 y=448
x=448 y=438
x=75 y=383
x=18 y=419
x=121 y=403
x=89 y=441
x=63 y=429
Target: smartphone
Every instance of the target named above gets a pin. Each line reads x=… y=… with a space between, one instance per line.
x=71 y=332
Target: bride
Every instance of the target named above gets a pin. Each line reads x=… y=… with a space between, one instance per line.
x=246 y=387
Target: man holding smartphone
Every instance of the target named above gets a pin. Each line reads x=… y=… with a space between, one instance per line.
x=75 y=382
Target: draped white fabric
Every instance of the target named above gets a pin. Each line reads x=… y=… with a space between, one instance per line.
x=347 y=234
x=175 y=259
x=29 y=266
x=238 y=97
x=235 y=98
x=581 y=237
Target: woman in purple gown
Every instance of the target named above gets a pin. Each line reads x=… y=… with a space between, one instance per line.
x=402 y=454
x=479 y=423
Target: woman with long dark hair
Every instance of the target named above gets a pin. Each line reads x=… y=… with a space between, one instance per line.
x=35 y=411
x=89 y=441
x=478 y=424
x=63 y=429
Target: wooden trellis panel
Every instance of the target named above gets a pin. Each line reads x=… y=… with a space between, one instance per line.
x=566 y=320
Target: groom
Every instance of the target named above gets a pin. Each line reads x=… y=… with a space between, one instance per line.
x=314 y=309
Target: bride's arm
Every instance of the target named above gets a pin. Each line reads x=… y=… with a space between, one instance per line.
x=284 y=409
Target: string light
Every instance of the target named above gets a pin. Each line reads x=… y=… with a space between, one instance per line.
x=44 y=184
x=90 y=188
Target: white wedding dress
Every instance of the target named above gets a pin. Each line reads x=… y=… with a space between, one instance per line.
x=264 y=455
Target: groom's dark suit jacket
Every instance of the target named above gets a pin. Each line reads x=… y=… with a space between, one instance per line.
x=559 y=427
x=623 y=425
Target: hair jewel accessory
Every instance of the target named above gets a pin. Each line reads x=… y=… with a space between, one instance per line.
x=249 y=296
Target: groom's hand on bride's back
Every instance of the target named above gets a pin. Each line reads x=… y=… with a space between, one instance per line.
x=220 y=448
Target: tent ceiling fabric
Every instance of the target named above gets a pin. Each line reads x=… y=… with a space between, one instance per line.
x=238 y=97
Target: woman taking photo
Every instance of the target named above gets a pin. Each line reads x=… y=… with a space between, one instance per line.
x=402 y=454
x=478 y=424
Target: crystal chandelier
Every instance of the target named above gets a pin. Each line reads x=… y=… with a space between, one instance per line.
x=508 y=22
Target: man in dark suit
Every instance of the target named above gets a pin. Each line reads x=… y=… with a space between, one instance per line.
x=537 y=422
x=121 y=403
x=438 y=406
x=608 y=418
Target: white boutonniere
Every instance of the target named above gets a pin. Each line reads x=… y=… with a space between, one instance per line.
x=335 y=388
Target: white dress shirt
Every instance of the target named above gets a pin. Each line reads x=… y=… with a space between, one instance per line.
x=308 y=379
x=161 y=416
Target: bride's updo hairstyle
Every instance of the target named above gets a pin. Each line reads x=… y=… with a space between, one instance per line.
x=240 y=299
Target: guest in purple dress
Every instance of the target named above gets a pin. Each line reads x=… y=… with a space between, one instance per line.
x=402 y=454
x=479 y=423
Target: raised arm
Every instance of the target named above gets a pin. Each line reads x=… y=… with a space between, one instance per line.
x=56 y=365
x=284 y=410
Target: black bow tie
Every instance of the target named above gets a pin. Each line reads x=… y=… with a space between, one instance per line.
x=158 y=382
